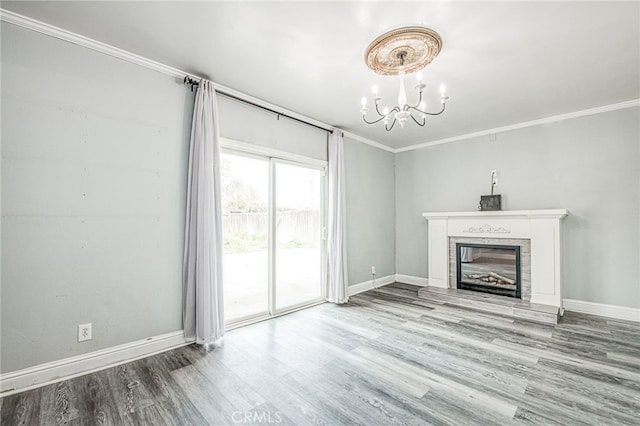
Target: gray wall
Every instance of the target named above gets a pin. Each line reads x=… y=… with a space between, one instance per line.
x=370 y=212
x=248 y=124
x=94 y=154
x=589 y=165
x=94 y=161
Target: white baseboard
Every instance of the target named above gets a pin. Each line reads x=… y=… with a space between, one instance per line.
x=408 y=279
x=51 y=372
x=611 y=311
x=368 y=285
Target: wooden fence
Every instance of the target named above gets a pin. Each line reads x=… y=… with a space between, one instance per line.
x=296 y=225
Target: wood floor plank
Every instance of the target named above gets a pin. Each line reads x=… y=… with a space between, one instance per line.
x=174 y=360
x=294 y=395
x=333 y=401
x=630 y=360
x=98 y=405
x=557 y=377
x=21 y=409
x=145 y=415
x=130 y=395
x=59 y=404
x=385 y=358
x=528 y=417
x=264 y=414
x=581 y=407
x=392 y=403
x=573 y=360
x=212 y=405
x=230 y=384
x=471 y=342
x=173 y=404
x=439 y=383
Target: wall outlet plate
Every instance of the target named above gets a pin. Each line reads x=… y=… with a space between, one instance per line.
x=373 y=270
x=84 y=332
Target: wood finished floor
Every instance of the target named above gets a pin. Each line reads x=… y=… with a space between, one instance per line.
x=386 y=358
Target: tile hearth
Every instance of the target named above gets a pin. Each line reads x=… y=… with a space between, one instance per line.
x=501 y=305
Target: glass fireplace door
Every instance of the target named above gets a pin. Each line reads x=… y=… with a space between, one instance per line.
x=489 y=268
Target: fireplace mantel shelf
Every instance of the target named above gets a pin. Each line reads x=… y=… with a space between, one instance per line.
x=548 y=213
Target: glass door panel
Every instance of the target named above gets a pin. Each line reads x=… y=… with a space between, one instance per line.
x=298 y=239
x=245 y=223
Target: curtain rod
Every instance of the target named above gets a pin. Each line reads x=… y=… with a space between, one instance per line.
x=194 y=83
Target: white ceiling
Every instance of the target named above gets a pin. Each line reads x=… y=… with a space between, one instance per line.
x=502 y=62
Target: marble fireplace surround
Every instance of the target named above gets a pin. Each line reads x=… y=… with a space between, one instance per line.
x=540 y=227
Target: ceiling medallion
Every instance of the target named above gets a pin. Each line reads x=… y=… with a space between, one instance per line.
x=399 y=52
x=419 y=44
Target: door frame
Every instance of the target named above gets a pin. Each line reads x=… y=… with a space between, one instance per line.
x=273 y=157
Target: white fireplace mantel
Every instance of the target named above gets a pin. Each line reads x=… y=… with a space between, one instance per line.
x=551 y=213
x=542 y=227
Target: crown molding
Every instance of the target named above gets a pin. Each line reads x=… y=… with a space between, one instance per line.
x=554 y=118
x=364 y=140
x=68 y=36
x=107 y=49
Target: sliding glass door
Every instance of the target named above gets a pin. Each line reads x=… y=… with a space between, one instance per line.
x=273 y=221
x=245 y=224
x=298 y=254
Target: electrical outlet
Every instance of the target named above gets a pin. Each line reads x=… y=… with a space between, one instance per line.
x=373 y=270
x=84 y=332
x=494 y=177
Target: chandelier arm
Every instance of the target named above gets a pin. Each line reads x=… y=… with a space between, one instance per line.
x=424 y=121
x=429 y=113
x=373 y=122
x=395 y=109
x=388 y=129
x=417 y=103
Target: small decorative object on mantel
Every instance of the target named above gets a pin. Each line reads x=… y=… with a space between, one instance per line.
x=491 y=202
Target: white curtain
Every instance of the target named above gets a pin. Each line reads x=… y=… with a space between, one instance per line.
x=203 y=309
x=337 y=278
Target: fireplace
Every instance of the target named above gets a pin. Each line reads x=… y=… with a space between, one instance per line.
x=537 y=233
x=489 y=268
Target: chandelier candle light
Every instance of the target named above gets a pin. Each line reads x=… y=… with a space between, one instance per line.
x=399 y=52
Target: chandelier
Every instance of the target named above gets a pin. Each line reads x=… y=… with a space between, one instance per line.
x=400 y=52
